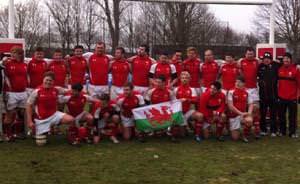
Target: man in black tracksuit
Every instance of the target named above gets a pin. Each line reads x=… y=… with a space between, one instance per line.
x=267 y=82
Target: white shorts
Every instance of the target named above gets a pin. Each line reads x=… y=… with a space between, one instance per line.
x=235 y=123
x=29 y=90
x=199 y=91
x=127 y=122
x=115 y=91
x=187 y=116
x=97 y=90
x=16 y=99
x=101 y=123
x=79 y=117
x=61 y=99
x=141 y=90
x=43 y=126
x=253 y=94
x=206 y=125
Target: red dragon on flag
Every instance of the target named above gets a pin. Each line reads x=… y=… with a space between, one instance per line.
x=159 y=116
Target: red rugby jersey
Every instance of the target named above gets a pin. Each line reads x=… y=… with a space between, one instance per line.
x=78 y=68
x=185 y=91
x=36 y=70
x=16 y=73
x=229 y=73
x=209 y=73
x=249 y=70
x=240 y=99
x=127 y=103
x=99 y=69
x=120 y=71
x=209 y=103
x=59 y=68
x=140 y=71
x=288 y=82
x=193 y=67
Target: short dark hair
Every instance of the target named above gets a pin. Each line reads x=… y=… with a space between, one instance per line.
x=121 y=49
x=129 y=84
x=177 y=50
x=78 y=47
x=101 y=43
x=289 y=55
x=49 y=74
x=77 y=87
x=162 y=78
x=164 y=53
x=39 y=49
x=229 y=54
x=217 y=85
x=147 y=49
x=105 y=97
x=57 y=51
x=251 y=49
x=241 y=78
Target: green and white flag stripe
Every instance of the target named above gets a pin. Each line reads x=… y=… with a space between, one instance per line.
x=158 y=116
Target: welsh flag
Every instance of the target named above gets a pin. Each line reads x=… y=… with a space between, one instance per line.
x=158 y=116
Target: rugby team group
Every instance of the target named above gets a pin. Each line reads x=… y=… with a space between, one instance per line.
x=229 y=97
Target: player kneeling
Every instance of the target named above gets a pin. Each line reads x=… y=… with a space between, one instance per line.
x=44 y=100
x=76 y=102
x=239 y=101
x=128 y=101
x=106 y=119
x=211 y=110
x=188 y=96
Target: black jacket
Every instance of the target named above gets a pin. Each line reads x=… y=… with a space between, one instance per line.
x=267 y=81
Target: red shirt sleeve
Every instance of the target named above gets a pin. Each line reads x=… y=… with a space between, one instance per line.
x=202 y=106
x=221 y=109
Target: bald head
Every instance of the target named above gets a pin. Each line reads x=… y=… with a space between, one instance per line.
x=209 y=55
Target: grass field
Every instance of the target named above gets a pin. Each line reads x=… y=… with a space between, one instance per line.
x=270 y=160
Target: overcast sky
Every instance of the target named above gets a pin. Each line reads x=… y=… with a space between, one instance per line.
x=239 y=17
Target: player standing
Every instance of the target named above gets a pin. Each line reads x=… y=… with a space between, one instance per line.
x=120 y=70
x=36 y=69
x=178 y=63
x=288 y=87
x=59 y=68
x=192 y=65
x=141 y=65
x=77 y=67
x=228 y=73
x=248 y=69
x=15 y=71
x=99 y=65
x=267 y=82
x=209 y=70
x=163 y=68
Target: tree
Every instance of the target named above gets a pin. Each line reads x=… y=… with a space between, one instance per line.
x=287 y=23
x=29 y=24
x=114 y=11
x=90 y=26
x=61 y=12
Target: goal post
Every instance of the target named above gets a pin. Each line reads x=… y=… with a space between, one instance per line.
x=236 y=2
